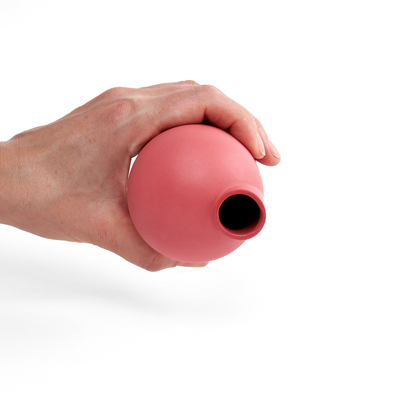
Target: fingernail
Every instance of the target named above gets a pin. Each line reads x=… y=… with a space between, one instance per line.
x=273 y=150
x=261 y=145
x=182 y=264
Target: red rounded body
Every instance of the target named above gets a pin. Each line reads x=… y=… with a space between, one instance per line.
x=195 y=193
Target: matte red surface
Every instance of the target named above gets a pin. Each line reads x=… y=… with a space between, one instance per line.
x=177 y=184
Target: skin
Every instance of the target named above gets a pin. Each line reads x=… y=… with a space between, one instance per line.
x=67 y=180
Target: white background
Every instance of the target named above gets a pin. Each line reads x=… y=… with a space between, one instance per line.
x=308 y=309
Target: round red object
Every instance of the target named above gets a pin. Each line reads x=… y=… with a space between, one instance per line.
x=195 y=193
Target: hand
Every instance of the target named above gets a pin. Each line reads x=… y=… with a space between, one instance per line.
x=67 y=180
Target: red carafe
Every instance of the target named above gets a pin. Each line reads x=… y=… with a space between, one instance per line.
x=195 y=193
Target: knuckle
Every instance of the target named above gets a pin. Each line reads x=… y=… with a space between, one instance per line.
x=115 y=91
x=190 y=82
x=211 y=90
x=207 y=92
x=120 y=111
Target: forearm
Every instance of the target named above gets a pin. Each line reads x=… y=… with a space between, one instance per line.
x=12 y=184
x=6 y=187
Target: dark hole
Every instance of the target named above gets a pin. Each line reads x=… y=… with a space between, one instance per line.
x=238 y=212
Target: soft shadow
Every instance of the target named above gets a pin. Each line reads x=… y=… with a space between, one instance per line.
x=58 y=299
x=71 y=281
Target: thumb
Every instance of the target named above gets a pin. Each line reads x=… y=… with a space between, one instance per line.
x=124 y=240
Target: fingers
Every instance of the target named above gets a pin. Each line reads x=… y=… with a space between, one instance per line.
x=272 y=156
x=187 y=102
x=197 y=103
x=196 y=265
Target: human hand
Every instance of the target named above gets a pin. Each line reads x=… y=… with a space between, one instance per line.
x=67 y=180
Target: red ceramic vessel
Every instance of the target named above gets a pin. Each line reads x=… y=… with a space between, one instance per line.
x=195 y=193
